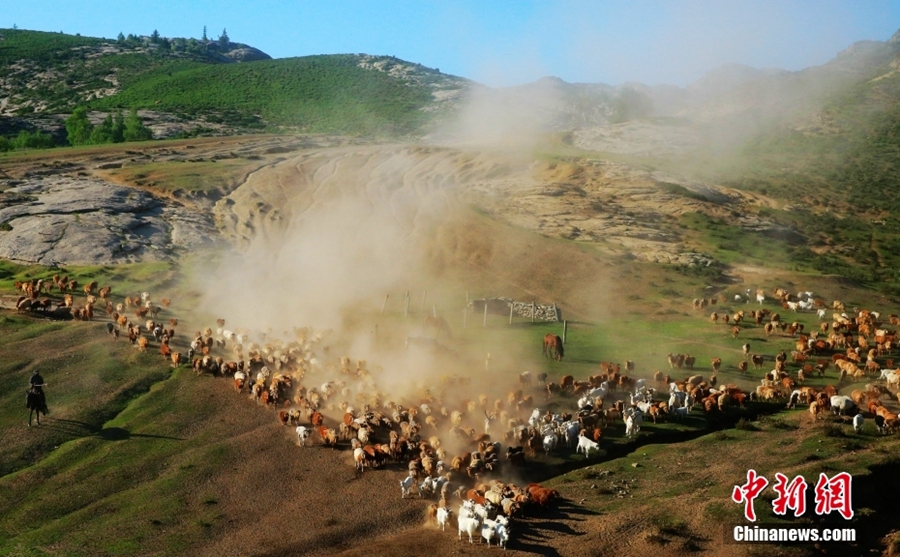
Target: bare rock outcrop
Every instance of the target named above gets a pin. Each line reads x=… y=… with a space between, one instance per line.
x=66 y=220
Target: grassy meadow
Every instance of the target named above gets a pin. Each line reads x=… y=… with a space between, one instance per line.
x=124 y=463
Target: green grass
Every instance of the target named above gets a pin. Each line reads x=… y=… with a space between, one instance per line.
x=127 y=475
x=206 y=176
x=42 y=47
x=326 y=93
x=314 y=93
x=129 y=279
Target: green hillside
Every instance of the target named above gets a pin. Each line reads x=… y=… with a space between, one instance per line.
x=40 y=46
x=52 y=73
x=829 y=174
x=314 y=93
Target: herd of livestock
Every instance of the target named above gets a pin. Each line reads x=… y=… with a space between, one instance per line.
x=450 y=443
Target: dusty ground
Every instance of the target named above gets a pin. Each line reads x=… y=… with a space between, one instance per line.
x=620 y=208
x=274 y=498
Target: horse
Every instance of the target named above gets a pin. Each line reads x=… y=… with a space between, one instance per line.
x=36 y=401
x=553 y=346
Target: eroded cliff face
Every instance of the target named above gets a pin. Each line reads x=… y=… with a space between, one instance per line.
x=81 y=209
x=614 y=206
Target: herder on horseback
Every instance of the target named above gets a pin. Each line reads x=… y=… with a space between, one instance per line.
x=35 y=399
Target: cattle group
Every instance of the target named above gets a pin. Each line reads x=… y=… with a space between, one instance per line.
x=858 y=344
x=451 y=441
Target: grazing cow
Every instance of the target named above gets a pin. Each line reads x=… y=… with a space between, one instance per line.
x=676 y=361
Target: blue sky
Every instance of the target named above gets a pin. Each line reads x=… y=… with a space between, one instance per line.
x=503 y=42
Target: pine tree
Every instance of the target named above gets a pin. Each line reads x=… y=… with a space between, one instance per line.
x=204 y=33
x=135 y=130
x=223 y=39
x=121 y=38
x=154 y=36
x=118 y=129
x=104 y=132
x=78 y=127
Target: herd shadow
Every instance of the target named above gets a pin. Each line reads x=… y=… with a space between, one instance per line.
x=75 y=428
x=533 y=533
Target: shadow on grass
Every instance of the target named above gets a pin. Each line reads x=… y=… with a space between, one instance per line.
x=84 y=429
x=544 y=524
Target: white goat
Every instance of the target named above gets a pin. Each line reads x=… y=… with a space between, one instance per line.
x=405 y=486
x=550 y=442
x=488 y=530
x=633 y=424
x=469 y=525
x=502 y=532
x=443 y=518
x=303 y=433
x=586 y=445
x=858 y=423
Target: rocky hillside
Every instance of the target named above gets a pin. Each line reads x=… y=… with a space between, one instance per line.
x=213 y=87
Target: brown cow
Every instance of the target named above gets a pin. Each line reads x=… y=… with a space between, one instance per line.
x=317 y=419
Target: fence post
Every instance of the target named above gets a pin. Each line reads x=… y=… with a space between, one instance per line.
x=384 y=304
x=565 y=330
x=532 y=311
x=510 y=312
x=406 y=306
x=484 y=324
